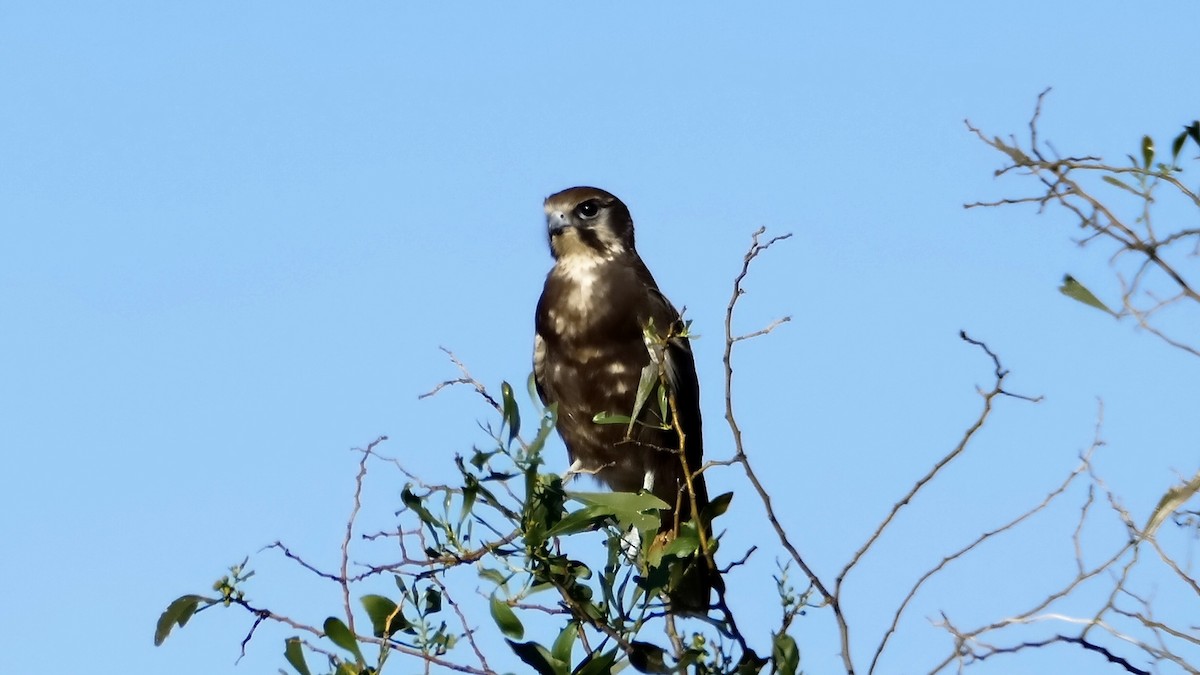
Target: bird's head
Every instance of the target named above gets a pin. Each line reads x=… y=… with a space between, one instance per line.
x=588 y=221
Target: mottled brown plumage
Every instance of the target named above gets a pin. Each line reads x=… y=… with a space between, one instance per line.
x=590 y=350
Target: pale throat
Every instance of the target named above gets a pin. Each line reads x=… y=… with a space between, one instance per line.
x=580 y=273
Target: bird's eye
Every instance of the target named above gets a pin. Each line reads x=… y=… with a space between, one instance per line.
x=588 y=210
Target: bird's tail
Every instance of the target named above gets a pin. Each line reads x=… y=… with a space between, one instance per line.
x=694 y=576
x=691 y=590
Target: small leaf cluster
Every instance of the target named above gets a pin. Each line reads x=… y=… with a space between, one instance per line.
x=510 y=525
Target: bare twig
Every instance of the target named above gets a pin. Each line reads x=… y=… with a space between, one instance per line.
x=740 y=455
x=1085 y=462
x=1108 y=655
x=465 y=379
x=358 y=484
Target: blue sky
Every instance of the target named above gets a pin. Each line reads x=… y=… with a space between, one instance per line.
x=235 y=235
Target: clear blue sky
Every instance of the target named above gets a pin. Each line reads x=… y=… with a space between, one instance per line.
x=235 y=234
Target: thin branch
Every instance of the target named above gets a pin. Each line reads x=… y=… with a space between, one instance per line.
x=465 y=379
x=1090 y=646
x=303 y=563
x=1085 y=461
x=740 y=456
x=358 y=484
x=988 y=398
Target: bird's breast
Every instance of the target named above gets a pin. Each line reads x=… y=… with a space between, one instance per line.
x=580 y=299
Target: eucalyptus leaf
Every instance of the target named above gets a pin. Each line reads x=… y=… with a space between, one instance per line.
x=587 y=518
x=717 y=506
x=340 y=635
x=176 y=614
x=433 y=600
x=619 y=501
x=648 y=658
x=646 y=385
x=414 y=504
x=537 y=657
x=561 y=649
x=1177 y=145
x=531 y=386
x=636 y=510
x=785 y=654
x=293 y=651
x=506 y=619
x=597 y=663
x=384 y=614
x=470 y=492
x=1077 y=291
x=1172 y=500
x=495 y=576
x=610 y=418
x=511 y=412
x=683 y=545
x=1121 y=184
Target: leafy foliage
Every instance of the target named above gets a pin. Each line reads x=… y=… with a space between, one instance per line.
x=510 y=522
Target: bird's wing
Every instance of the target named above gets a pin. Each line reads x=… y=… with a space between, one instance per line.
x=680 y=369
x=539 y=367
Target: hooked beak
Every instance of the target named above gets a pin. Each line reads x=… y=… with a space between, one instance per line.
x=556 y=221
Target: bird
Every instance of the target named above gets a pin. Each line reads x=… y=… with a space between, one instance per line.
x=600 y=321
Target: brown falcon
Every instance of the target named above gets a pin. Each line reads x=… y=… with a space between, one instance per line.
x=596 y=321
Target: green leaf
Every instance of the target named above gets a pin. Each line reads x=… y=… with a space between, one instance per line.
x=385 y=615
x=547 y=428
x=1076 y=291
x=583 y=520
x=683 y=545
x=610 y=418
x=717 y=506
x=561 y=649
x=494 y=576
x=1193 y=131
x=479 y=458
x=293 y=651
x=663 y=413
x=637 y=510
x=537 y=657
x=1147 y=151
x=750 y=663
x=785 y=654
x=413 y=502
x=646 y=385
x=617 y=502
x=346 y=669
x=511 y=413
x=1173 y=499
x=177 y=614
x=507 y=619
x=1118 y=183
x=597 y=664
x=648 y=658
x=1177 y=145
x=531 y=385
x=341 y=636
x=433 y=600
x=470 y=492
